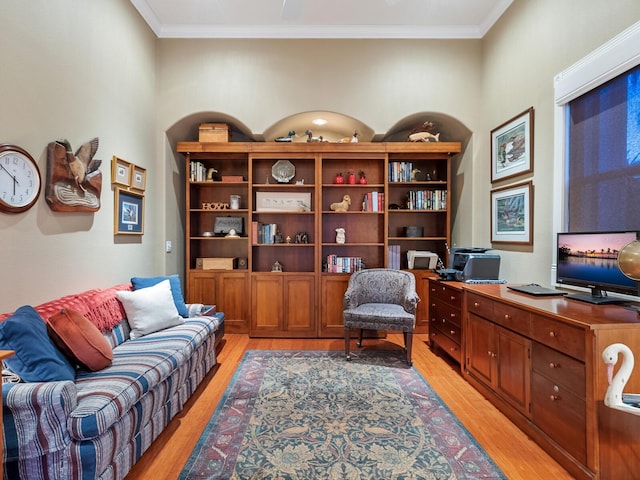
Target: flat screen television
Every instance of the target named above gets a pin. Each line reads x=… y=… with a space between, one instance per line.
x=590 y=260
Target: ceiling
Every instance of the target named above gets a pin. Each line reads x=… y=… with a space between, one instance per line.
x=414 y=19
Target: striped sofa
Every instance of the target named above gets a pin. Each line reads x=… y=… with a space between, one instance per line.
x=98 y=426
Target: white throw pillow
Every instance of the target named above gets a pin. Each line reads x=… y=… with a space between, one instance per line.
x=150 y=309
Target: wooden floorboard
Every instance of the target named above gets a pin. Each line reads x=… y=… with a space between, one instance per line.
x=517 y=455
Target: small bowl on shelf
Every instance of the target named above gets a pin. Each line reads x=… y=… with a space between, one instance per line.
x=207 y=234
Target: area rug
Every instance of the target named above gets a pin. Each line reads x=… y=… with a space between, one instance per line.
x=309 y=415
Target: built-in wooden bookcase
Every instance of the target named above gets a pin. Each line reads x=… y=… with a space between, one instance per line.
x=303 y=298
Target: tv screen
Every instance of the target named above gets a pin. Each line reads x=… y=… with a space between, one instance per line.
x=590 y=259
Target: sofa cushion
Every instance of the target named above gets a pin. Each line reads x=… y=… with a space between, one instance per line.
x=150 y=309
x=79 y=339
x=176 y=289
x=36 y=357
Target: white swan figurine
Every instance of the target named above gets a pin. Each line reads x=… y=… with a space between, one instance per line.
x=613 y=397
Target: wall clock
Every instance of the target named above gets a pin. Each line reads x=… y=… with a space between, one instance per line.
x=19 y=179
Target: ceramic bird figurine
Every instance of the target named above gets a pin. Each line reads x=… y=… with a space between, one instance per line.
x=614 y=398
x=81 y=164
x=288 y=138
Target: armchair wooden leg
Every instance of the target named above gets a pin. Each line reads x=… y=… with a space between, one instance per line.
x=408 y=342
x=360 y=338
x=347 y=341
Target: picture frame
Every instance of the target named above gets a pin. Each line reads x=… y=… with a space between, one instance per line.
x=138 y=179
x=283 y=202
x=512 y=147
x=120 y=172
x=512 y=214
x=128 y=212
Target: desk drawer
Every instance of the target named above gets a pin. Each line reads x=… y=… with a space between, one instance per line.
x=512 y=318
x=446 y=294
x=559 y=368
x=450 y=329
x=557 y=335
x=479 y=305
x=446 y=312
x=560 y=414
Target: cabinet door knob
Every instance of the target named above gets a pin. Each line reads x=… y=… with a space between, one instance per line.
x=476 y=304
x=554 y=397
x=554 y=365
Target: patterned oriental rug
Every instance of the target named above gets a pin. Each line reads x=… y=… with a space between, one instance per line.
x=308 y=415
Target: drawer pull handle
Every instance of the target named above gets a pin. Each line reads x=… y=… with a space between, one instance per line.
x=452 y=315
x=476 y=304
x=554 y=365
x=554 y=397
x=552 y=333
x=444 y=321
x=507 y=316
x=453 y=332
x=452 y=297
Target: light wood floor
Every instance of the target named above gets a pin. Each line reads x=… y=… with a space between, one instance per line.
x=517 y=455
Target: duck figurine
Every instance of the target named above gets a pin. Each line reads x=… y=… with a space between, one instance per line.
x=614 y=398
x=287 y=138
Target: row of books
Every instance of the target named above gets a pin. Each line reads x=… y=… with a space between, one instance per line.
x=373 y=202
x=263 y=233
x=400 y=171
x=337 y=264
x=427 y=200
x=198 y=172
x=393 y=252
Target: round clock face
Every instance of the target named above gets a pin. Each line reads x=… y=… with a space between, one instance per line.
x=19 y=179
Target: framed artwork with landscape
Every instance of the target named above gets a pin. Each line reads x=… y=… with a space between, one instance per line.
x=512 y=214
x=129 y=213
x=512 y=147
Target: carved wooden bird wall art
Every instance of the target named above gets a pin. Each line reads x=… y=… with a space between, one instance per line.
x=74 y=181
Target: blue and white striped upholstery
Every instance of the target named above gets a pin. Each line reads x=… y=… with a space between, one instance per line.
x=99 y=426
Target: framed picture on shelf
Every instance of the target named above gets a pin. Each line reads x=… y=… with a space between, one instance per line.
x=120 y=172
x=512 y=147
x=283 y=201
x=138 y=178
x=512 y=214
x=128 y=213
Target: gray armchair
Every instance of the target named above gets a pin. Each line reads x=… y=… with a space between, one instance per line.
x=380 y=299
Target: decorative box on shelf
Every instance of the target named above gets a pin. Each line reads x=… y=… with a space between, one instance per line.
x=213 y=132
x=232 y=178
x=213 y=263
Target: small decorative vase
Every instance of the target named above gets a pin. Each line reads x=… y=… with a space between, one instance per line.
x=339 y=179
x=351 y=179
x=363 y=179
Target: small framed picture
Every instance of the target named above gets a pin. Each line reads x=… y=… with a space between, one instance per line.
x=512 y=147
x=120 y=172
x=512 y=214
x=138 y=178
x=128 y=212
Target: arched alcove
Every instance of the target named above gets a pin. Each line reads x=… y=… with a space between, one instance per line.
x=338 y=126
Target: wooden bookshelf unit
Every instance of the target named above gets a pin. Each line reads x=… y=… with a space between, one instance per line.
x=290 y=268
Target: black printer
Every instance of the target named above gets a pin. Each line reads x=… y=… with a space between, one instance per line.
x=472 y=264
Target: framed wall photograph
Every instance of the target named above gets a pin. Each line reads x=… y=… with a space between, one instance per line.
x=138 y=178
x=512 y=214
x=512 y=147
x=128 y=213
x=283 y=202
x=120 y=171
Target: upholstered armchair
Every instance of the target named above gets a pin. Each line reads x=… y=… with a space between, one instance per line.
x=380 y=299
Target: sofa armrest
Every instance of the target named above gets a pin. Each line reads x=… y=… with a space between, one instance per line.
x=35 y=417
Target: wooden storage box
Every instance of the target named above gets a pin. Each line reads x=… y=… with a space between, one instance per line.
x=213 y=132
x=213 y=263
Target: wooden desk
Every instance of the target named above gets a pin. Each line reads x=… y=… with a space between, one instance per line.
x=3 y=354
x=539 y=361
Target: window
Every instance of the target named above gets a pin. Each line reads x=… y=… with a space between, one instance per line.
x=603 y=162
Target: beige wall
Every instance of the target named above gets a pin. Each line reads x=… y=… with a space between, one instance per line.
x=94 y=69
x=77 y=70
x=524 y=51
